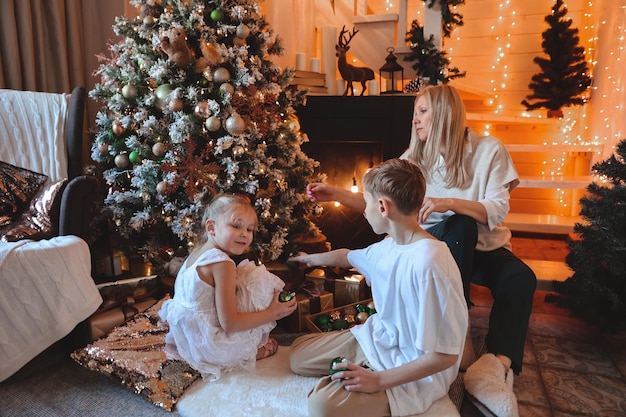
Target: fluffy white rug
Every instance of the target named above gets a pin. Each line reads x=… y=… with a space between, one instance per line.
x=271 y=390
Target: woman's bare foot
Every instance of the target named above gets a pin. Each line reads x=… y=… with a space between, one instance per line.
x=267 y=349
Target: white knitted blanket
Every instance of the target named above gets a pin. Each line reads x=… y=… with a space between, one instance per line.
x=32 y=127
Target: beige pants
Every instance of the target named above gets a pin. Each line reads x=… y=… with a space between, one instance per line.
x=311 y=355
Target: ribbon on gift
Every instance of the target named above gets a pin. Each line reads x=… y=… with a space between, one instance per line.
x=312 y=292
x=115 y=294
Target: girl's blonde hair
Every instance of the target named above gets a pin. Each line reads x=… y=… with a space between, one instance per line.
x=218 y=208
x=447 y=136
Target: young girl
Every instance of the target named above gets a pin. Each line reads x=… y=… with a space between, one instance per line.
x=221 y=315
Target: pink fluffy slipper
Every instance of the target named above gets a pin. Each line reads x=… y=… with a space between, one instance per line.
x=490 y=387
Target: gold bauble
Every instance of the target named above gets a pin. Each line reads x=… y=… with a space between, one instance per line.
x=176 y=104
x=227 y=88
x=103 y=148
x=118 y=128
x=158 y=149
x=213 y=124
x=129 y=91
x=202 y=110
x=242 y=31
x=163 y=188
x=221 y=75
x=122 y=161
x=235 y=125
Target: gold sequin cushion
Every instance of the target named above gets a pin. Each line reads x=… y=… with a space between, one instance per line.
x=41 y=218
x=17 y=188
x=133 y=354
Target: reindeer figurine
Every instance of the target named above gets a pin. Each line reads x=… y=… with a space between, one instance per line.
x=349 y=72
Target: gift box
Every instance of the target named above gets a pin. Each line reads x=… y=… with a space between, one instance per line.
x=288 y=273
x=348 y=286
x=122 y=300
x=311 y=300
x=342 y=317
x=105 y=320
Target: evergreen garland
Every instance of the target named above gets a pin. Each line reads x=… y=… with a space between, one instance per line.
x=450 y=19
x=597 y=290
x=186 y=118
x=564 y=76
x=432 y=65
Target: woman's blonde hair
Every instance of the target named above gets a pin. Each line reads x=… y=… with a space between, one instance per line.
x=447 y=136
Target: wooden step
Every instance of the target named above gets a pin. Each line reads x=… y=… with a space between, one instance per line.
x=556 y=181
x=541 y=223
x=548 y=271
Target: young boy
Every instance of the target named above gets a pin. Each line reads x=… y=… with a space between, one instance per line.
x=406 y=356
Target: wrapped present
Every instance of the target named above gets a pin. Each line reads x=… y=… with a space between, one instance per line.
x=340 y=318
x=347 y=286
x=116 y=293
x=311 y=299
x=290 y=274
x=122 y=300
x=106 y=319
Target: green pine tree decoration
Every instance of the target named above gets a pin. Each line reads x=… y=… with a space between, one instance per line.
x=193 y=106
x=431 y=64
x=450 y=18
x=564 y=78
x=596 y=292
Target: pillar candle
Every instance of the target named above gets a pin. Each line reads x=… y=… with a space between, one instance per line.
x=301 y=61
x=329 y=60
x=341 y=85
x=315 y=64
x=372 y=87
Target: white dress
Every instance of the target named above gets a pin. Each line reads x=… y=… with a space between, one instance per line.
x=195 y=334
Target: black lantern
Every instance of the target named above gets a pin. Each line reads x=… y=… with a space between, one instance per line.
x=390 y=69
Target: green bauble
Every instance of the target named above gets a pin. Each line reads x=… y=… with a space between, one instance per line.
x=217 y=15
x=322 y=320
x=335 y=361
x=340 y=324
x=285 y=296
x=134 y=157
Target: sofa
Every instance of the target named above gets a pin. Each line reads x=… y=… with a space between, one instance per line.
x=46 y=208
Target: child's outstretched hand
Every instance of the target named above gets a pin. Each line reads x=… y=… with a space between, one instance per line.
x=304 y=259
x=282 y=309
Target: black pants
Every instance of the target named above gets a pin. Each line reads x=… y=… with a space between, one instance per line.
x=511 y=282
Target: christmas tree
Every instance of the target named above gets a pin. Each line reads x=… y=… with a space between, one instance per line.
x=431 y=64
x=564 y=76
x=193 y=106
x=597 y=290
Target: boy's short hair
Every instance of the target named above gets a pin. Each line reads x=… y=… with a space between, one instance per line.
x=399 y=180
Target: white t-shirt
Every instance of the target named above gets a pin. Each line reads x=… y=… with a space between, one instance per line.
x=418 y=295
x=493 y=178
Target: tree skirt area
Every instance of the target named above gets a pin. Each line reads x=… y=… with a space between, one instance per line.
x=133 y=355
x=271 y=390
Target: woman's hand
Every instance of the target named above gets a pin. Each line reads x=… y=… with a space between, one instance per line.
x=434 y=205
x=356 y=378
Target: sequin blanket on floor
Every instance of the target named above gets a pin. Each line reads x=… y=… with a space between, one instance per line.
x=133 y=354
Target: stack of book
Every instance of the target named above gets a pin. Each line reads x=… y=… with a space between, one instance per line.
x=314 y=82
